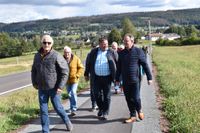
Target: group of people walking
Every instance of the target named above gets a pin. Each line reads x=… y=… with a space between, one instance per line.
x=51 y=72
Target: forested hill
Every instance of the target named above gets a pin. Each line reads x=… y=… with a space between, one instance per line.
x=158 y=18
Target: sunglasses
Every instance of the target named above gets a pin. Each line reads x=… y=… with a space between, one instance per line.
x=49 y=43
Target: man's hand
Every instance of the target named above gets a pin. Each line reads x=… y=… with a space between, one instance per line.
x=59 y=91
x=86 y=78
x=150 y=82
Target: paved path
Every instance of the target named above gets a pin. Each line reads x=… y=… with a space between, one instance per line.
x=87 y=122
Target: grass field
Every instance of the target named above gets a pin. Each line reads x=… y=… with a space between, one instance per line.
x=179 y=76
x=15 y=64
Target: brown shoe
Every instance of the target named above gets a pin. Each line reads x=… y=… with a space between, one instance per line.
x=130 y=120
x=141 y=115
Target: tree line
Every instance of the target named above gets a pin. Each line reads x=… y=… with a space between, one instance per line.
x=158 y=18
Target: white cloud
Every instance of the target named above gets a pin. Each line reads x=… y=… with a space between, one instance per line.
x=19 y=13
x=23 y=10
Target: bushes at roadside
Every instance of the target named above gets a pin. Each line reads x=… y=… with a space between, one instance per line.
x=178 y=42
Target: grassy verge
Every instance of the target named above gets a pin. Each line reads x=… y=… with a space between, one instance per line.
x=178 y=77
x=18 y=108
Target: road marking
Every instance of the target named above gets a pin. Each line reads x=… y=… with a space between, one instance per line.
x=15 y=89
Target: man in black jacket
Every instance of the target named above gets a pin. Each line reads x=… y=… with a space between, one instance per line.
x=101 y=66
x=128 y=65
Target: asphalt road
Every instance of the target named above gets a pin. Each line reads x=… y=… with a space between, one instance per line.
x=14 y=82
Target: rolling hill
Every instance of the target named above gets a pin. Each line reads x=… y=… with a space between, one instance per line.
x=158 y=18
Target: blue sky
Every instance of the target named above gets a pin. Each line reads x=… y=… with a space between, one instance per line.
x=24 y=10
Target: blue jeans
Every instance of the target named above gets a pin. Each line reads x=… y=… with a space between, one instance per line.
x=72 y=89
x=44 y=96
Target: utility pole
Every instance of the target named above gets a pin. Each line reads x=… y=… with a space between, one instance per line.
x=149 y=26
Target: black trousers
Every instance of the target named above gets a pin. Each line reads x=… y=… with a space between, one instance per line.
x=92 y=96
x=102 y=91
x=132 y=95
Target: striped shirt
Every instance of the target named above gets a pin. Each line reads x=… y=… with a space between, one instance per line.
x=101 y=64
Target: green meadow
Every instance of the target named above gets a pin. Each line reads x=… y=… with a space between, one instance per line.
x=178 y=77
x=16 y=64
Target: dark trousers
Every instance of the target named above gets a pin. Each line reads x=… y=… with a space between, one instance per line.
x=132 y=95
x=92 y=96
x=102 y=91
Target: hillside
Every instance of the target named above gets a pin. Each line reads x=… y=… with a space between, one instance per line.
x=158 y=18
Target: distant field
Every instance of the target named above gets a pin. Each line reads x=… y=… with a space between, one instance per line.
x=15 y=64
x=179 y=76
x=24 y=63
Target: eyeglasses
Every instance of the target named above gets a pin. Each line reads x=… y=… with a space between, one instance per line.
x=49 y=43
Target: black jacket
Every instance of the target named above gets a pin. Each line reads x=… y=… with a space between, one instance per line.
x=129 y=65
x=112 y=57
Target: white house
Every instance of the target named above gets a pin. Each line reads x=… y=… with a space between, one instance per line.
x=156 y=36
x=170 y=36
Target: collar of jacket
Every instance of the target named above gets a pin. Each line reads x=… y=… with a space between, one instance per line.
x=71 y=58
x=41 y=51
x=127 y=50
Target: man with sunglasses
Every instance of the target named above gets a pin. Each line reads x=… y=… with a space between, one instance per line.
x=49 y=74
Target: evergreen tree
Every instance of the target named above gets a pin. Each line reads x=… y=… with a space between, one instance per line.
x=114 y=36
x=128 y=27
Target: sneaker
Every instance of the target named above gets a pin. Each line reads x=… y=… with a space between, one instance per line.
x=94 y=108
x=69 y=111
x=73 y=113
x=104 y=117
x=69 y=126
x=100 y=113
x=130 y=120
x=141 y=115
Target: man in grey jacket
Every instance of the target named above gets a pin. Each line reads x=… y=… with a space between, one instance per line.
x=49 y=74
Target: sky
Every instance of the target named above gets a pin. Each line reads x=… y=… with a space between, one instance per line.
x=25 y=10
